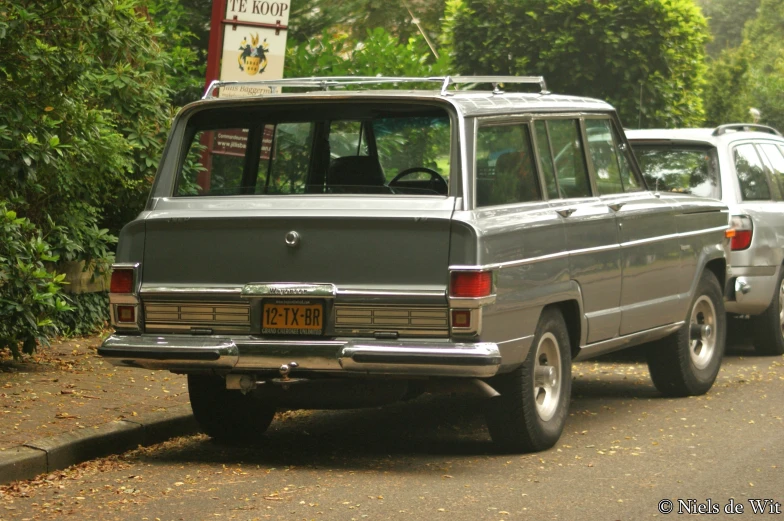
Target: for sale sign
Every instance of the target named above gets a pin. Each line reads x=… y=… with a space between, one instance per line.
x=258 y=11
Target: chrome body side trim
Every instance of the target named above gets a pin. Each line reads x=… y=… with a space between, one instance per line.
x=614 y=344
x=188 y=353
x=568 y=253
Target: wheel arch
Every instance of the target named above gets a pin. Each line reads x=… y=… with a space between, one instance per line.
x=574 y=318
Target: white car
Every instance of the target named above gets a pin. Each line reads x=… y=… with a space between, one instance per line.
x=743 y=165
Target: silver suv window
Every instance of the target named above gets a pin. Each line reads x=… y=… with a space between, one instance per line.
x=751 y=173
x=775 y=162
x=678 y=168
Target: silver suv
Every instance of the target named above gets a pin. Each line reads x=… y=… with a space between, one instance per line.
x=743 y=165
x=341 y=248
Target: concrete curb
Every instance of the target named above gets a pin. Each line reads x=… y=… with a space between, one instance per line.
x=58 y=452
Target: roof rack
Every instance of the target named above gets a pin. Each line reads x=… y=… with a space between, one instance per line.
x=326 y=83
x=747 y=127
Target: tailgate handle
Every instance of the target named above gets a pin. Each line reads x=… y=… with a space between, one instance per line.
x=566 y=212
x=616 y=206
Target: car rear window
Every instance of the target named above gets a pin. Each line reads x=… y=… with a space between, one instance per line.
x=682 y=169
x=364 y=148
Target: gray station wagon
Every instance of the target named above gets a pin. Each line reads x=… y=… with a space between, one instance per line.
x=336 y=246
x=743 y=165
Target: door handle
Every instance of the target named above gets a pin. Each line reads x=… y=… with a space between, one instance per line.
x=616 y=206
x=566 y=212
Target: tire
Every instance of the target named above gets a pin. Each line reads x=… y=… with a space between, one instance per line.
x=768 y=328
x=531 y=413
x=684 y=366
x=227 y=416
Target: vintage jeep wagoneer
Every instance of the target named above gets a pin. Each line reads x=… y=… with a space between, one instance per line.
x=345 y=247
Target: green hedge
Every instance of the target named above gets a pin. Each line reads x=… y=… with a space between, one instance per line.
x=643 y=56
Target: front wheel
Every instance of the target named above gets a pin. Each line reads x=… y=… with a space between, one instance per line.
x=687 y=362
x=531 y=412
x=227 y=416
x=769 y=326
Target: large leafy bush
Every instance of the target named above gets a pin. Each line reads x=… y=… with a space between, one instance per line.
x=643 y=56
x=29 y=294
x=84 y=112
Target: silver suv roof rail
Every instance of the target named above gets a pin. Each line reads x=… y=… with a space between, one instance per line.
x=327 y=82
x=746 y=127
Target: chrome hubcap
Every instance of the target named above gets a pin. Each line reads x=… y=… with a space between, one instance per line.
x=703 y=332
x=781 y=306
x=547 y=376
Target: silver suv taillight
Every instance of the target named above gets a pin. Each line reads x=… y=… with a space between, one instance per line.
x=741 y=230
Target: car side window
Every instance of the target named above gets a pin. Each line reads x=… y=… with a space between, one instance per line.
x=546 y=158
x=570 y=168
x=776 y=163
x=604 y=156
x=505 y=169
x=751 y=173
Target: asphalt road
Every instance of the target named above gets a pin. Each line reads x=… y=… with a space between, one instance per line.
x=625 y=449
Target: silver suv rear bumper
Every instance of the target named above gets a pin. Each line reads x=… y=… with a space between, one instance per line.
x=751 y=289
x=185 y=353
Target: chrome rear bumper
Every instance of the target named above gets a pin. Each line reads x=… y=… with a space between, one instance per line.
x=185 y=353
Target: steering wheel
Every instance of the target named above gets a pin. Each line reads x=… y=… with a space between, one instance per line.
x=437 y=183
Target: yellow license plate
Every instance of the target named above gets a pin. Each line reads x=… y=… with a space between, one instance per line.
x=284 y=318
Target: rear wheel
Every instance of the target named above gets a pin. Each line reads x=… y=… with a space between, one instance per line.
x=531 y=412
x=686 y=363
x=227 y=415
x=768 y=327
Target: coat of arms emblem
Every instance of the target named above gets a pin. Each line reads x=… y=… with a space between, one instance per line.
x=253 y=59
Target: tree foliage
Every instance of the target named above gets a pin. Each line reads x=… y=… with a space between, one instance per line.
x=378 y=53
x=84 y=112
x=310 y=18
x=643 y=56
x=751 y=75
x=726 y=19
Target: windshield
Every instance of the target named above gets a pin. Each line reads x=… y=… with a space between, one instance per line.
x=337 y=149
x=684 y=169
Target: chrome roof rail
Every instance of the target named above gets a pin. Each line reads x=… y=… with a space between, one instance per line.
x=327 y=82
x=747 y=127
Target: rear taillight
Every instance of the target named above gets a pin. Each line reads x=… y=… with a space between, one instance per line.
x=126 y=314
x=122 y=281
x=471 y=284
x=124 y=298
x=743 y=230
